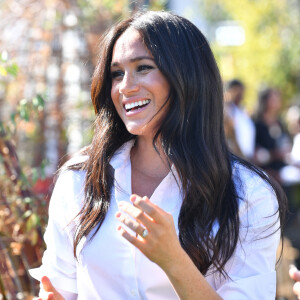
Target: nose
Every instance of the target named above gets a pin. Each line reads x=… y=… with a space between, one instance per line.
x=129 y=84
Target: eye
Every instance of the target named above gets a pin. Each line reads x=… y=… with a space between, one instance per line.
x=142 y=68
x=116 y=74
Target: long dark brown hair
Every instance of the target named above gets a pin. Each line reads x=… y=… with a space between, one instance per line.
x=191 y=136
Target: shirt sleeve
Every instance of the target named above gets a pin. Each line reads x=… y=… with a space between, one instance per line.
x=58 y=262
x=252 y=267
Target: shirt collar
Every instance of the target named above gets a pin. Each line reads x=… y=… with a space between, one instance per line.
x=122 y=155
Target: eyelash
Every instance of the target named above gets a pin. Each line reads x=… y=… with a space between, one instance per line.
x=116 y=74
x=144 y=67
x=140 y=68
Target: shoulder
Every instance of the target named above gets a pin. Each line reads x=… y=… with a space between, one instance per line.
x=77 y=158
x=257 y=198
x=248 y=182
x=68 y=194
x=69 y=178
x=258 y=204
x=247 y=179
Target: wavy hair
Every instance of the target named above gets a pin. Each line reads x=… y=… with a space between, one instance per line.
x=191 y=135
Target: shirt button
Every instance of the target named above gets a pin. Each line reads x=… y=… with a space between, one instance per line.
x=132 y=292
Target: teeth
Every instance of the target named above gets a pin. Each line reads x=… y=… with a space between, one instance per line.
x=129 y=106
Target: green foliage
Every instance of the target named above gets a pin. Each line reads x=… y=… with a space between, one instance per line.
x=22 y=211
x=27 y=110
x=7 y=67
x=112 y=10
x=158 y=4
x=115 y=10
x=270 y=55
x=14 y=182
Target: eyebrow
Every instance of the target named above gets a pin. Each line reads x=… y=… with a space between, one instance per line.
x=114 y=64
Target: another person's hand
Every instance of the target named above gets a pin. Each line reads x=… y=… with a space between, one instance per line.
x=295 y=275
x=49 y=292
x=160 y=244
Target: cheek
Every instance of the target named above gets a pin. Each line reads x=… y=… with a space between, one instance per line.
x=158 y=83
x=114 y=95
x=113 y=91
x=164 y=89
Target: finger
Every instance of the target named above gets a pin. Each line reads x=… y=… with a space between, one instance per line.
x=45 y=296
x=154 y=211
x=132 y=224
x=296 y=289
x=136 y=213
x=294 y=273
x=139 y=243
x=47 y=285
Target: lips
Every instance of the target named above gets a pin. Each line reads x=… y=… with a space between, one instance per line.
x=136 y=105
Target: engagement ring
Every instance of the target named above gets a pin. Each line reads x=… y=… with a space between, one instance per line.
x=145 y=233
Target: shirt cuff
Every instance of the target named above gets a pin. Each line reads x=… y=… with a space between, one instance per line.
x=60 y=282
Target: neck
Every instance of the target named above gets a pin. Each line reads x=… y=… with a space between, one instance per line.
x=270 y=117
x=146 y=160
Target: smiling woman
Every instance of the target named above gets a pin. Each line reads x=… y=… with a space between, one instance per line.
x=157 y=207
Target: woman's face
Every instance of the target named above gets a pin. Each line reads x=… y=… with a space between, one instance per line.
x=274 y=102
x=139 y=89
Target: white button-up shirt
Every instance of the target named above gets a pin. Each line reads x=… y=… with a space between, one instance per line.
x=244 y=130
x=110 y=268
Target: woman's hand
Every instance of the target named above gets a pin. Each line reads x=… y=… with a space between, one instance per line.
x=295 y=274
x=161 y=244
x=49 y=292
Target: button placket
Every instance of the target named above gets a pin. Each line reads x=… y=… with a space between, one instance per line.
x=134 y=291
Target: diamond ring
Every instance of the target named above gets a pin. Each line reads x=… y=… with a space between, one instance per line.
x=144 y=233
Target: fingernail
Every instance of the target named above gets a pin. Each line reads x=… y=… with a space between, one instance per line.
x=291 y=266
x=118 y=214
x=120 y=204
x=133 y=198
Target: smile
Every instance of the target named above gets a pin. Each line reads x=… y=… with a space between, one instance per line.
x=136 y=105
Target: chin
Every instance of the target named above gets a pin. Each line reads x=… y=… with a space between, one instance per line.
x=135 y=130
x=138 y=130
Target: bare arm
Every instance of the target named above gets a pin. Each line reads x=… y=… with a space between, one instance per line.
x=188 y=282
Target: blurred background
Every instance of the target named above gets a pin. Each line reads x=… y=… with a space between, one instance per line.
x=48 y=50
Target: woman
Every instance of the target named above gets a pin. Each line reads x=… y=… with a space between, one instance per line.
x=187 y=212
x=272 y=141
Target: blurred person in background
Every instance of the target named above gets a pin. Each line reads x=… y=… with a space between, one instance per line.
x=272 y=143
x=290 y=174
x=239 y=128
x=293 y=122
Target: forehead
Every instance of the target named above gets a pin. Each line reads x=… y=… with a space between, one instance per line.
x=129 y=45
